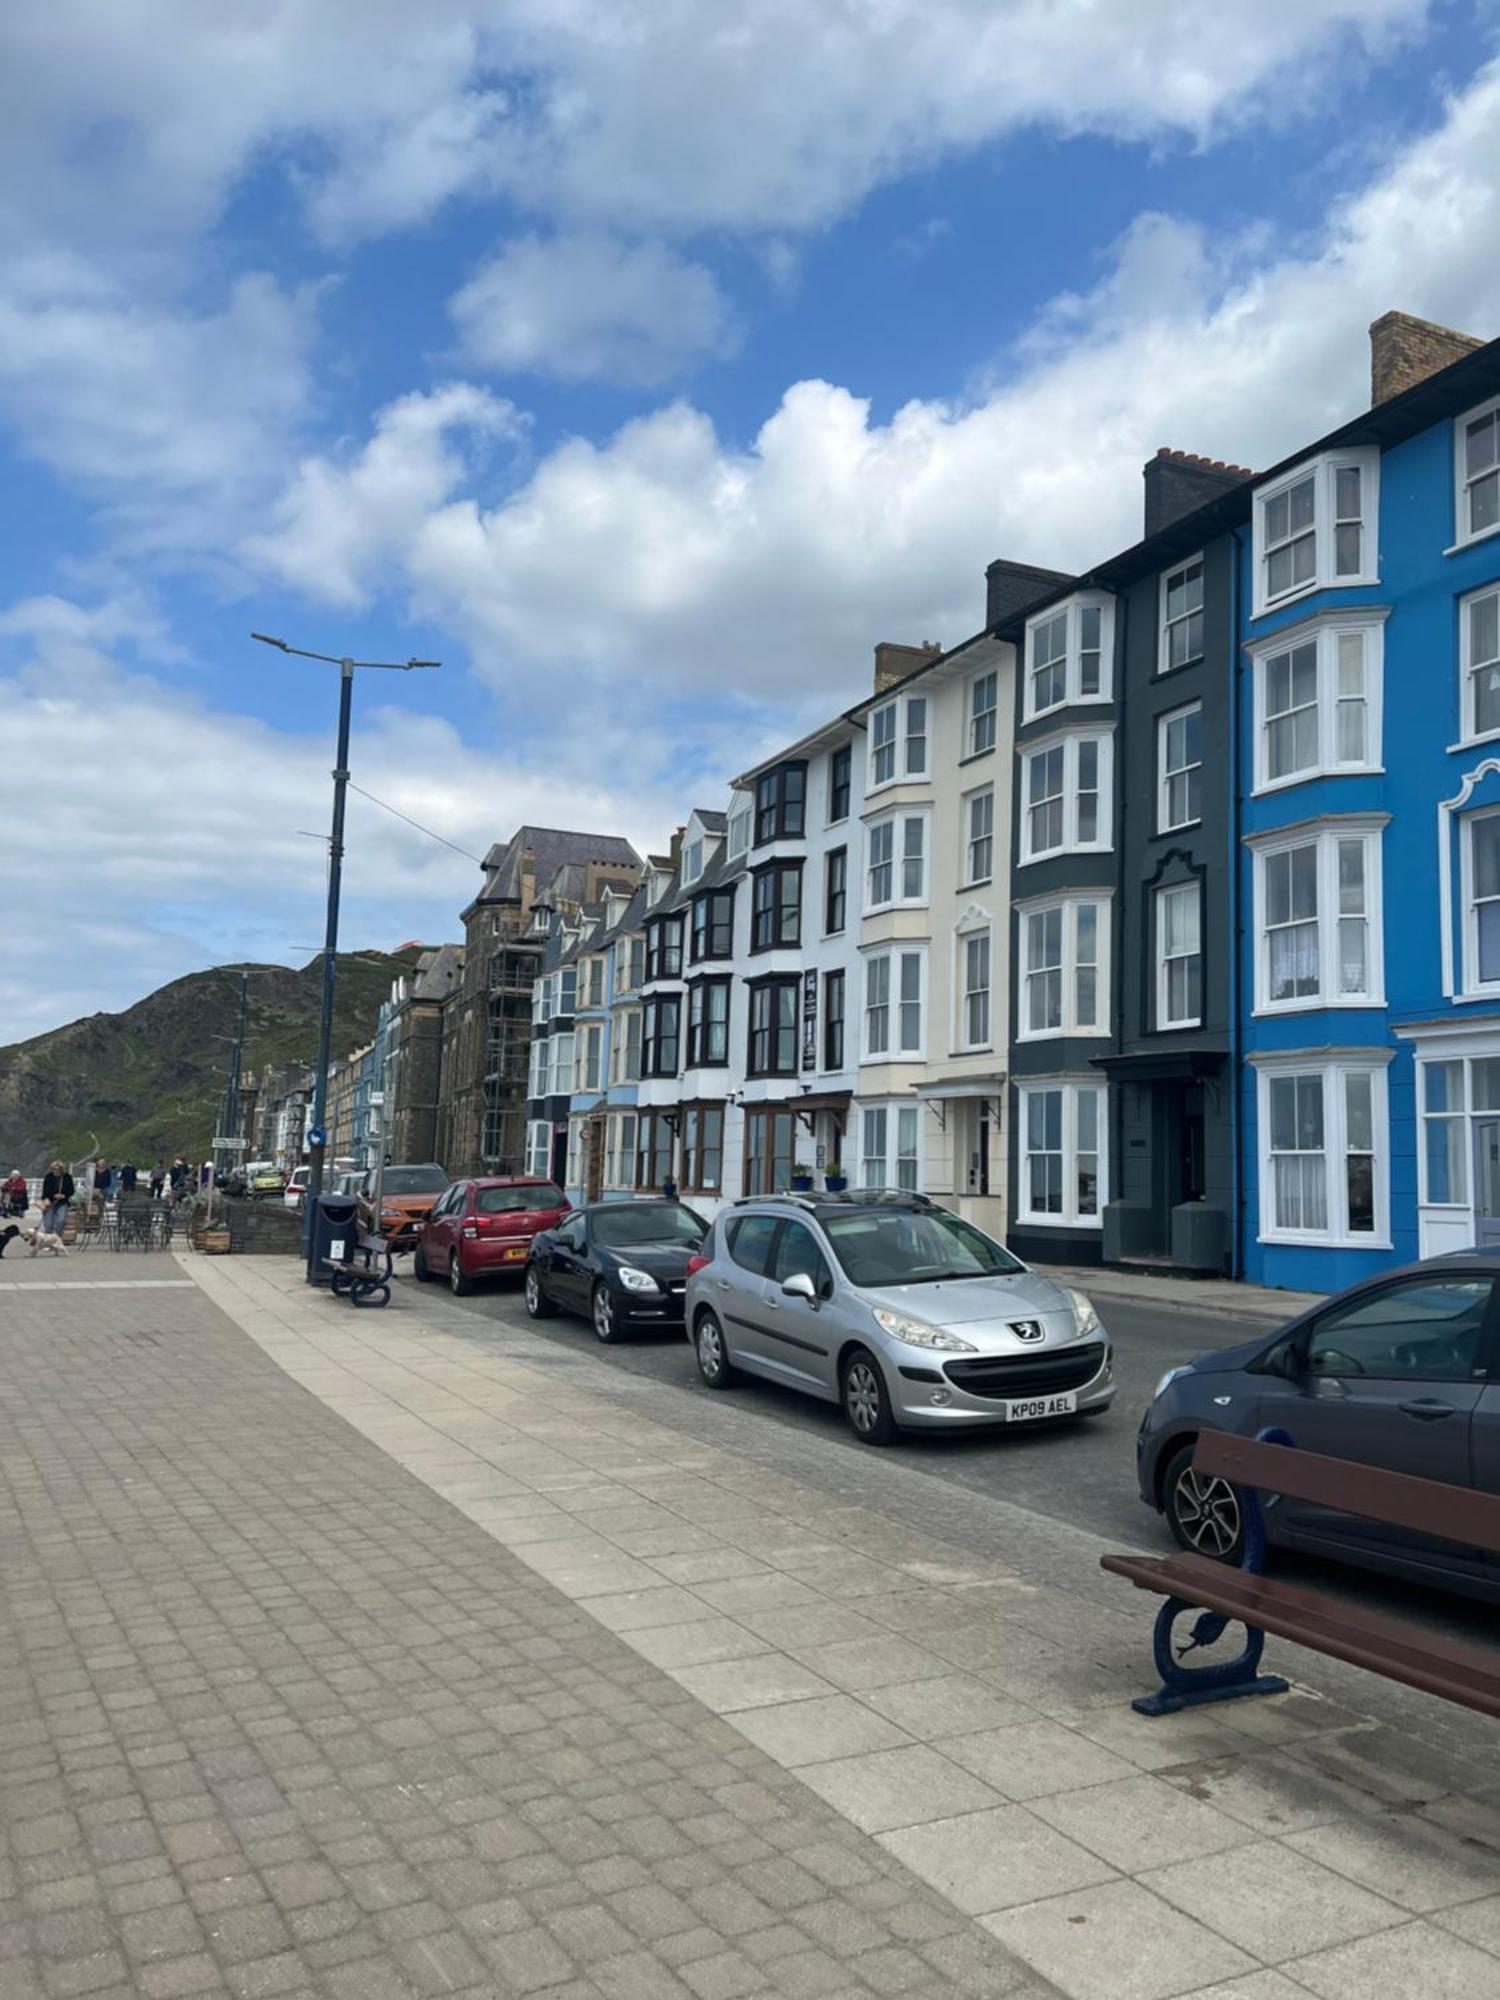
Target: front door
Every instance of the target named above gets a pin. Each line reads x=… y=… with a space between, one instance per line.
x=1392 y=1379
x=593 y=1159
x=1487 y=1182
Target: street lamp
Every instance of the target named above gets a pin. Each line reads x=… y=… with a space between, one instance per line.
x=318 y=1137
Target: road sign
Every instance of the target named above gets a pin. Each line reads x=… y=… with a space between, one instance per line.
x=317 y=1136
x=231 y=1145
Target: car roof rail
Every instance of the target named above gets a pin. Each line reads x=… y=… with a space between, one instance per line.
x=847 y=1197
x=798 y=1197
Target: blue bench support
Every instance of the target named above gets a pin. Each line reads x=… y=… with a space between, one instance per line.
x=1227 y=1680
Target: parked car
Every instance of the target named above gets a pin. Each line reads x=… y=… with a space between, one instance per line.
x=296 y=1187
x=902 y=1313
x=622 y=1264
x=1400 y=1372
x=484 y=1228
x=263 y=1178
x=408 y=1195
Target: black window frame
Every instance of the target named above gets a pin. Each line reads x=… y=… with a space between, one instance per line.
x=652 y=1150
x=697 y=1148
x=840 y=783
x=664 y=947
x=712 y=929
x=654 y=1042
x=698 y=1022
x=768 y=1033
x=769 y=912
x=768 y=1115
x=835 y=893
x=781 y=802
x=834 y=982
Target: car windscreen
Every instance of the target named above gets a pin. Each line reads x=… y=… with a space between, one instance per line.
x=507 y=1200
x=913 y=1247
x=413 y=1180
x=628 y=1224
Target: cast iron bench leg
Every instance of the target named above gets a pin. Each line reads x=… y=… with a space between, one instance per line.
x=1188 y=1687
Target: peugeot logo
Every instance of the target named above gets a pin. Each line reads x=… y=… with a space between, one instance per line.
x=1027 y=1329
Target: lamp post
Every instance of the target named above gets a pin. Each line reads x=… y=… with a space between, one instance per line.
x=318 y=1136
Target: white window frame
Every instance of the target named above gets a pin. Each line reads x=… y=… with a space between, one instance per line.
x=900 y=824
x=692 y=861
x=898 y=1123
x=741 y=818
x=1326 y=632
x=901 y=741
x=1068 y=907
x=1332 y=1071
x=1463 y=534
x=539 y=1148
x=1164 y=820
x=982 y=724
x=1068 y=1216
x=964 y=993
x=591 y=1059
x=972 y=801
x=1164 y=1018
x=1073 y=611
x=1325 y=834
x=1164 y=664
x=1324 y=472
x=1069 y=744
x=895 y=1002
x=562 y=1065
x=1473 y=987
x=1471 y=732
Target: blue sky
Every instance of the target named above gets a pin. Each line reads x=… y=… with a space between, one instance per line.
x=647 y=368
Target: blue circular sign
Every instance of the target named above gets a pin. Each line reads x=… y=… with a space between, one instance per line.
x=317 y=1136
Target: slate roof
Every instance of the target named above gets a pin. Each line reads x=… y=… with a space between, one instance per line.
x=552 y=849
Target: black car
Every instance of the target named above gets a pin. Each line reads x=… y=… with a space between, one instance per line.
x=620 y=1263
x=1401 y=1372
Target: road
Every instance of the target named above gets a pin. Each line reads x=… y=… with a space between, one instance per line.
x=1083 y=1474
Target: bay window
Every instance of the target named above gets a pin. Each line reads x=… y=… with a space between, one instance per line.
x=664 y=948
x=1315 y=527
x=1063 y=1157
x=895 y=994
x=591 y=1068
x=661 y=1036
x=890 y=1147
x=1479 y=657
x=1324 y=1150
x=776 y=907
x=780 y=803
x=702 y=1148
x=1179 y=956
x=1067 y=796
x=708 y=1023
x=898 y=741
x=1481 y=880
x=1317 y=916
x=1317 y=699
x=1064 y=970
x=562 y=1065
x=713 y=925
x=896 y=861
x=769 y=1143
x=1068 y=655
x=1477 y=472
x=773 y=1027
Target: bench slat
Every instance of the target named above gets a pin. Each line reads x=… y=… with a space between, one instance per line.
x=1393 y=1647
x=1424 y=1506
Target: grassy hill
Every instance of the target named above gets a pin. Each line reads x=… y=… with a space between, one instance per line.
x=148 y=1083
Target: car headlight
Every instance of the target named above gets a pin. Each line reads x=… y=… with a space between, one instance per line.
x=916 y=1333
x=636 y=1280
x=1083 y=1311
x=1172 y=1375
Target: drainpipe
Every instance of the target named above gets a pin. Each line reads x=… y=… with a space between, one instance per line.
x=1236 y=933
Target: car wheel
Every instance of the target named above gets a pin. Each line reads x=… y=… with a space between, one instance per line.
x=459 y=1281
x=712 y=1350
x=1203 y=1513
x=419 y=1266
x=606 y=1320
x=866 y=1403
x=537 y=1302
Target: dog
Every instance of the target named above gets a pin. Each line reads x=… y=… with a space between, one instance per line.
x=8 y=1236
x=44 y=1242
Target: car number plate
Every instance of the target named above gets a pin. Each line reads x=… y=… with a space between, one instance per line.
x=1027 y=1409
x=516 y=1250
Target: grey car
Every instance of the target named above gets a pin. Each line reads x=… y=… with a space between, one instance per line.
x=904 y=1314
x=1401 y=1372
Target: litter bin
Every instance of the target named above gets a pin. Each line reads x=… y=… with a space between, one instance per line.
x=334 y=1223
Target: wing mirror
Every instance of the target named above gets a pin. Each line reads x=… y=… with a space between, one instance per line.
x=1290 y=1359
x=800 y=1286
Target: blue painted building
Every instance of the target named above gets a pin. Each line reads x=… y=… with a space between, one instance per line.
x=1368 y=875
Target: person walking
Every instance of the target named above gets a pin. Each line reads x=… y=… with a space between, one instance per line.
x=179 y=1173
x=158 y=1180
x=17 y=1196
x=127 y=1178
x=57 y=1196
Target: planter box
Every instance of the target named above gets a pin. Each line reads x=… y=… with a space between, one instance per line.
x=214 y=1242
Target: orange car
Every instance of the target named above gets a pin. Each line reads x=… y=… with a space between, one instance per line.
x=408 y=1196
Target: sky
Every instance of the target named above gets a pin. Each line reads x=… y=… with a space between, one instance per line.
x=645 y=362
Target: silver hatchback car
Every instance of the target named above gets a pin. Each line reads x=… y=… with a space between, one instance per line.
x=901 y=1312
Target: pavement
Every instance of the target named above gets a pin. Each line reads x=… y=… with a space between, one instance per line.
x=376 y=1653
x=1213 y=1297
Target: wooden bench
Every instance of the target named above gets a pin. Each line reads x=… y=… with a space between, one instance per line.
x=1383 y=1643
x=363 y=1274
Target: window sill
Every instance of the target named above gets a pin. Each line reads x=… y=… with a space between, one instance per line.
x=1296 y=1240
x=1182 y=667
x=976 y=756
x=1266 y=786
x=1175 y=1027
x=1269 y=1009
x=1061 y=853
x=1185 y=826
x=1060 y=1221
x=1476 y=996
x=1470 y=541
x=1475 y=742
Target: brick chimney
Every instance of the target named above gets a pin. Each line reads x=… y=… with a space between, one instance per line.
x=1405 y=351
x=1013 y=587
x=893 y=663
x=1179 y=482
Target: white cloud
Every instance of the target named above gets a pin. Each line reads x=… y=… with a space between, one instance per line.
x=584 y=305
x=176 y=421
x=666 y=557
x=340 y=520
x=755 y=114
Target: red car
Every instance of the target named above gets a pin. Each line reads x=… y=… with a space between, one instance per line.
x=483 y=1228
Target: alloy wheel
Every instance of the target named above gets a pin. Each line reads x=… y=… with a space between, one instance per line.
x=1208 y=1513
x=604 y=1313
x=862 y=1393
x=533 y=1292
x=710 y=1350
